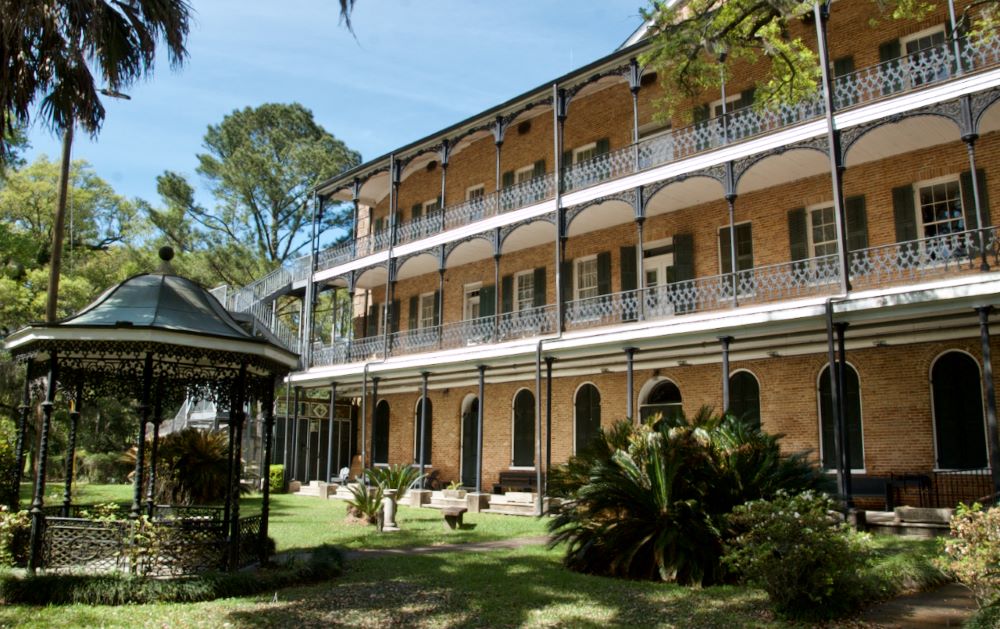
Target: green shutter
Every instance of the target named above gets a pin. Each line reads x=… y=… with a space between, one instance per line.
x=379 y=224
x=414 y=319
x=700 y=113
x=890 y=51
x=798 y=237
x=567 y=159
x=394 y=313
x=603 y=146
x=507 y=179
x=372 y=323
x=627 y=266
x=437 y=307
x=904 y=213
x=604 y=273
x=746 y=99
x=539 y=287
x=507 y=293
x=539 y=168
x=969 y=199
x=416 y=211
x=725 y=252
x=843 y=66
x=487 y=301
x=857 y=223
x=566 y=273
x=744 y=247
x=683 y=257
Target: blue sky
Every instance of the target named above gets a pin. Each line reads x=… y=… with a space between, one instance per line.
x=417 y=66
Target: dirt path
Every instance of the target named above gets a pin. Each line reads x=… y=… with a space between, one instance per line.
x=947 y=606
x=504 y=544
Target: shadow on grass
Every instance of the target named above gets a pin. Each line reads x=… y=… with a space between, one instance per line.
x=505 y=588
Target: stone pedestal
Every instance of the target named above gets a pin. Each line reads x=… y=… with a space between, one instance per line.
x=294 y=486
x=389 y=511
x=477 y=502
x=419 y=497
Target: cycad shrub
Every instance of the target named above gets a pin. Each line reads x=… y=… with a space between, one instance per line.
x=365 y=503
x=399 y=477
x=649 y=501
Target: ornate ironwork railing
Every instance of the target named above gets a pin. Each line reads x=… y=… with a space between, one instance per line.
x=249 y=550
x=600 y=168
x=527 y=193
x=470 y=211
x=422 y=227
x=366 y=348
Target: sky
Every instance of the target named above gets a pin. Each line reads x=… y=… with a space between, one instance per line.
x=415 y=67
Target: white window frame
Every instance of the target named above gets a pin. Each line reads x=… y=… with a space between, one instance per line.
x=715 y=107
x=658 y=262
x=422 y=315
x=467 y=298
x=431 y=206
x=580 y=153
x=809 y=226
x=927 y=32
x=918 y=208
x=523 y=174
x=528 y=276
x=477 y=191
x=986 y=436
x=577 y=263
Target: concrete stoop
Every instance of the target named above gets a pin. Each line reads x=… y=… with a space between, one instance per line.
x=912 y=521
x=316 y=488
x=519 y=503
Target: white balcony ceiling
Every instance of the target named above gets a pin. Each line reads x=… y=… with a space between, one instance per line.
x=907 y=135
x=607 y=214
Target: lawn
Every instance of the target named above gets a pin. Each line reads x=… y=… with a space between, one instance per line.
x=522 y=587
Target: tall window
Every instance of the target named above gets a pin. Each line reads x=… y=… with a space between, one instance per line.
x=426 y=315
x=471 y=310
x=744 y=397
x=959 y=427
x=657 y=258
x=524 y=294
x=475 y=192
x=420 y=433
x=852 y=398
x=587 y=418
x=822 y=231
x=380 y=434
x=924 y=43
x=584 y=153
x=523 y=454
x=524 y=174
x=744 y=248
x=664 y=399
x=939 y=207
x=586 y=278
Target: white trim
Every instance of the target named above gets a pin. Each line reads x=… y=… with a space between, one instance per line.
x=927 y=32
x=592 y=146
x=819 y=418
x=576 y=392
x=716 y=104
x=982 y=406
x=648 y=386
x=420 y=311
x=576 y=274
x=524 y=170
x=480 y=187
x=513 y=412
x=759 y=390
x=466 y=289
x=809 y=225
x=516 y=290
x=918 y=208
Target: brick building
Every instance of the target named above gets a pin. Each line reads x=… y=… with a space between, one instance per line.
x=565 y=260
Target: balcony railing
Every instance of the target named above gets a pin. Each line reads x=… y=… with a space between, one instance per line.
x=898 y=263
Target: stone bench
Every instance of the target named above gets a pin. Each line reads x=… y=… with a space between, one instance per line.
x=453 y=517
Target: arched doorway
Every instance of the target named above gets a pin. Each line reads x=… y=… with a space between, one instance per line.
x=380 y=434
x=470 y=444
x=959 y=427
x=587 y=416
x=855 y=436
x=664 y=399
x=744 y=397
x=523 y=449
x=423 y=433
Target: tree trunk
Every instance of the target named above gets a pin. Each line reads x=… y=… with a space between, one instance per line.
x=55 y=262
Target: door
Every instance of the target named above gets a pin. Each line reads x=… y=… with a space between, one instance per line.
x=470 y=450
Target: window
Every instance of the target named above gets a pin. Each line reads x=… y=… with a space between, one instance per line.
x=586 y=278
x=924 y=40
x=585 y=152
x=524 y=296
x=852 y=399
x=471 y=309
x=657 y=260
x=587 y=420
x=425 y=318
x=939 y=207
x=523 y=447
x=959 y=427
x=524 y=174
x=733 y=103
x=475 y=192
x=664 y=399
x=432 y=206
x=421 y=433
x=744 y=397
x=822 y=231
x=744 y=248
x=380 y=434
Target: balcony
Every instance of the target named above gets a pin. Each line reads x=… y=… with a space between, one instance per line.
x=876 y=267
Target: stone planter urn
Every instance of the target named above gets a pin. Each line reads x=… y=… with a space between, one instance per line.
x=454 y=494
x=389 y=510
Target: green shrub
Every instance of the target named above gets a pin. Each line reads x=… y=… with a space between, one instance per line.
x=192 y=467
x=796 y=549
x=104 y=468
x=650 y=501
x=365 y=503
x=276 y=479
x=399 y=477
x=15 y=533
x=326 y=562
x=973 y=551
x=8 y=464
x=985 y=618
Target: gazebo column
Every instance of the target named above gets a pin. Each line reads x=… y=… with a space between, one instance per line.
x=140 y=442
x=37 y=502
x=267 y=402
x=155 y=449
x=22 y=428
x=74 y=422
x=725 y=340
x=236 y=419
x=329 y=433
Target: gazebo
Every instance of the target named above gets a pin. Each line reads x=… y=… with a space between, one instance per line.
x=155 y=338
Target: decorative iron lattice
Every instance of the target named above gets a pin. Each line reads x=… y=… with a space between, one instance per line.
x=526 y=323
x=92 y=546
x=249 y=541
x=603 y=309
x=600 y=168
x=366 y=348
x=422 y=227
x=980 y=52
x=471 y=211
x=337 y=254
x=922 y=68
x=527 y=193
x=413 y=341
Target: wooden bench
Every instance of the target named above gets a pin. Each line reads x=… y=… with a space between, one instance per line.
x=517 y=480
x=453 y=517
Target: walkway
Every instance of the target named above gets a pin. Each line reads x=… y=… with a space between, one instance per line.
x=503 y=544
x=947 y=606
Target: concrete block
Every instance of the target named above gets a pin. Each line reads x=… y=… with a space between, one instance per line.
x=924 y=514
x=477 y=502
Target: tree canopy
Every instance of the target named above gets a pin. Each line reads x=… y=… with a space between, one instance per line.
x=260 y=165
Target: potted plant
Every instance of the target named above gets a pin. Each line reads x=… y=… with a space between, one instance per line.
x=455 y=491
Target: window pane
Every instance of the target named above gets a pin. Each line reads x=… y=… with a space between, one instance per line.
x=586 y=278
x=941 y=209
x=525 y=291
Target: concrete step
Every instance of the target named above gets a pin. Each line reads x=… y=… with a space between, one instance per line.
x=511 y=510
x=440 y=502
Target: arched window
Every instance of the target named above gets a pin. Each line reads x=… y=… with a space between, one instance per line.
x=852 y=397
x=665 y=399
x=588 y=415
x=425 y=434
x=959 y=428
x=380 y=433
x=524 y=429
x=470 y=440
x=744 y=397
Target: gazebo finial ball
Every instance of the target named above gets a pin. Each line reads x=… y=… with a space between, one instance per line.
x=166 y=253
